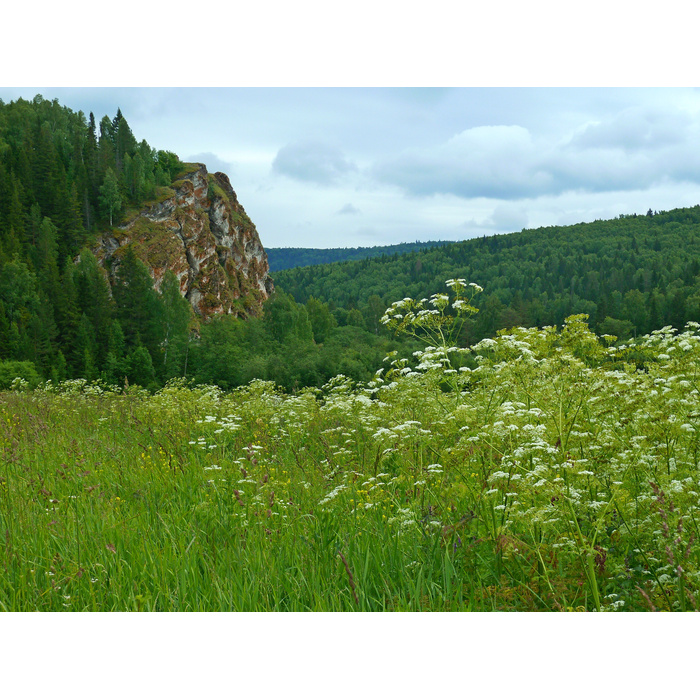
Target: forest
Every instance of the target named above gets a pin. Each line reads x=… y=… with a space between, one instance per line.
x=630 y=275
x=60 y=182
x=64 y=178
x=285 y=258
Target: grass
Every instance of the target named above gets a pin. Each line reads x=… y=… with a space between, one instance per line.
x=544 y=473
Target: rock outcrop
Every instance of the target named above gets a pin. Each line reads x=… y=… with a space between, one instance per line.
x=197 y=229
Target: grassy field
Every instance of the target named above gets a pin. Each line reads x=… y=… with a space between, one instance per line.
x=541 y=470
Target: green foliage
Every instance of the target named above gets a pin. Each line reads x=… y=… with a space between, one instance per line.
x=176 y=321
x=541 y=472
x=12 y=370
x=169 y=163
x=321 y=319
x=140 y=368
x=59 y=183
x=640 y=269
x=110 y=197
x=139 y=306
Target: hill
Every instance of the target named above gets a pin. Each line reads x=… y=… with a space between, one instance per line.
x=118 y=261
x=286 y=258
x=631 y=275
x=103 y=242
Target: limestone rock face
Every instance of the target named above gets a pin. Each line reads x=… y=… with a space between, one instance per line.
x=197 y=229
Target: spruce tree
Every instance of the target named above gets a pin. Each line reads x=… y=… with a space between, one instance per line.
x=141 y=370
x=94 y=298
x=123 y=139
x=67 y=314
x=139 y=306
x=176 y=323
x=86 y=349
x=91 y=163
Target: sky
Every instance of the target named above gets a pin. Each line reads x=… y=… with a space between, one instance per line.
x=324 y=167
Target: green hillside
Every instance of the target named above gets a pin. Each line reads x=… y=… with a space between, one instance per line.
x=63 y=179
x=631 y=275
x=286 y=258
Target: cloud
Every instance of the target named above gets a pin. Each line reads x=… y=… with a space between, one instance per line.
x=635 y=129
x=631 y=150
x=348 y=209
x=212 y=161
x=509 y=218
x=312 y=161
x=485 y=161
x=505 y=218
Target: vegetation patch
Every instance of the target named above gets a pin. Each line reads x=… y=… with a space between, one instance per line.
x=522 y=473
x=215 y=190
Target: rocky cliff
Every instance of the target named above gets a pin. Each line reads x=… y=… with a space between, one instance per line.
x=197 y=229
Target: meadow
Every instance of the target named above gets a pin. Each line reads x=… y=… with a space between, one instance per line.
x=541 y=470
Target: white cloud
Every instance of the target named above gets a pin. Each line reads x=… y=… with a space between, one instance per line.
x=485 y=161
x=637 y=128
x=630 y=150
x=312 y=161
x=507 y=217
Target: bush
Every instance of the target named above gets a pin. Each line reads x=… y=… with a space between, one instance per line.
x=13 y=369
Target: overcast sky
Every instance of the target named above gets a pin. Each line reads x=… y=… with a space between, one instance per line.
x=336 y=167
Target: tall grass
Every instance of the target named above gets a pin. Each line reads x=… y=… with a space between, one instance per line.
x=540 y=470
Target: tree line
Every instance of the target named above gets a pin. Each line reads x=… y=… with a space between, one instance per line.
x=286 y=258
x=631 y=275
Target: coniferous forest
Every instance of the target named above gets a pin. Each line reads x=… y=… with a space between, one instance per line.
x=286 y=258
x=62 y=178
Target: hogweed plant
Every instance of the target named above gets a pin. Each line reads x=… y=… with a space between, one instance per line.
x=436 y=321
x=548 y=470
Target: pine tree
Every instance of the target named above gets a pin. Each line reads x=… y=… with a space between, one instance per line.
x=176 y=323
x=67 y=314
x=41 y=334
x=86 y=349
x=115 y=365
x=90 y=156
x=15 y=232
x=140 y=364
x=139 y=306
x=94 y=298
x=59 y=369
x=105 y=148
x=123 y=139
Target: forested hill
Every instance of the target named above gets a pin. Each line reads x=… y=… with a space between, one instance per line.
x=632 y=274
x=64 y=178
x=286 y=258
